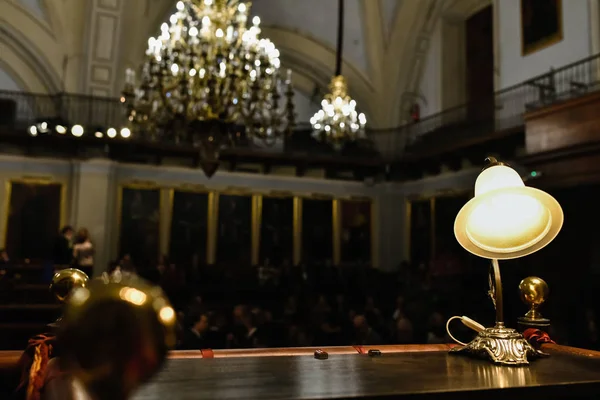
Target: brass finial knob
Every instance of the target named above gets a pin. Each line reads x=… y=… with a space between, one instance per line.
x=534 y=292
x=66 y=280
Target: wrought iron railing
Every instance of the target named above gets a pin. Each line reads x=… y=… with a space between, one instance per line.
x=503 y=111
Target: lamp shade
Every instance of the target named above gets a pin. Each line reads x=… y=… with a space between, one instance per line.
x=507 y=219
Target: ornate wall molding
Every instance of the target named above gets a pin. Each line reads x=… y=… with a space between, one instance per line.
x=103 y=37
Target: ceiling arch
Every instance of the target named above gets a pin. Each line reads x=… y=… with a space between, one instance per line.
x=28 y=62
x=317 y=20
x=34 y=41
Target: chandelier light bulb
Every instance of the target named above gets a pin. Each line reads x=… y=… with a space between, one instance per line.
x=111 y=132
x=180 y=5
x=242 y=7
x=256 y=21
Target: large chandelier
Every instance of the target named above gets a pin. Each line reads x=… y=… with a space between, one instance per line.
x=210 y=81
x=338 y=121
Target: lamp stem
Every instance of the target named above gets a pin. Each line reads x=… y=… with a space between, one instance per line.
x=498 y=294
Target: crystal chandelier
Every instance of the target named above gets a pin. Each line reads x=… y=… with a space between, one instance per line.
x=209 y=81
x=338 y=122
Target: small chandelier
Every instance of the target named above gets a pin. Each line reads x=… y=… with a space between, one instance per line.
x=210 y=81
x=338 y=122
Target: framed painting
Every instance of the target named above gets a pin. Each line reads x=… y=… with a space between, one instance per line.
x=139 y=230
x=277 y=230
x=234 y=233
x=317 y=231
x=541 y=24
x=356 y=231
x=33 y=220
x=189 y=227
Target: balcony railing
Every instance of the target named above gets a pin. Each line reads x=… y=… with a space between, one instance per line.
x=503 y=111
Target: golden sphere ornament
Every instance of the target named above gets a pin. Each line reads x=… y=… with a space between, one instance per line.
x=65 y=280
x=115 y=334
x=534 y=292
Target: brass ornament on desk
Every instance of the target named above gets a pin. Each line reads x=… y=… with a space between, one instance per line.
x=115 y=335
x=66 y=280
x=63 y=283
x=534 y=292
x=504 y=220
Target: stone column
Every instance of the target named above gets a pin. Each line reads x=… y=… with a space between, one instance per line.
x=94 y=191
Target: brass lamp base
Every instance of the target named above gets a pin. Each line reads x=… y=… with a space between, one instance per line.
x=501 y=345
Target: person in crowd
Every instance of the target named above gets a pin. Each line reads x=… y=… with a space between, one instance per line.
x=404 y=331
x=63 y=247
x=83 y=250
x=195 y=338
x=364 y=334
x=437 y=330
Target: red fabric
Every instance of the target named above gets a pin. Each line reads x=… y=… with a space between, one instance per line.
x=537 y=337
x=33 y=363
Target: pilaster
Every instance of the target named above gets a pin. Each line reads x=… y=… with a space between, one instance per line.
x=101 y=47
x=93 y=187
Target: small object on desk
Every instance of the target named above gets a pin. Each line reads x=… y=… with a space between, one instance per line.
x=534 y=292
x=374 y=353
x=321 y=355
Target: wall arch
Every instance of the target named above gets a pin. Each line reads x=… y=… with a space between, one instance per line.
x=23 y=69
x=28 y=61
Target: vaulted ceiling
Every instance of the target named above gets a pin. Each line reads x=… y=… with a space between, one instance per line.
x=84 y=45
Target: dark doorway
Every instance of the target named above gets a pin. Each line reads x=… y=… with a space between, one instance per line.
x=33 y=220
x=480 y=66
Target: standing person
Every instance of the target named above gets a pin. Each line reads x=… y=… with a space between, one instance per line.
x=63 y=248
x=83 y=250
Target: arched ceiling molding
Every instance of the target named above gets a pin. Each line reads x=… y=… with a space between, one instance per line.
x=318 y=60
x=314 y=50
x=20 y=70
x=54 y=10
x=15 y=5
x=406 y=79
x=29 y=54
x=12 y=74
x=36 y=39
x=320 y=77
x=395 y=62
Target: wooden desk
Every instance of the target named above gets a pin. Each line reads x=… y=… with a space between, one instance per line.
x=401 y=372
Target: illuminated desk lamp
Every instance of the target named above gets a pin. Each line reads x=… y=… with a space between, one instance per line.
x=504 y=220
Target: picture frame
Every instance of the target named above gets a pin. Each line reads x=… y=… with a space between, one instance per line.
x=541 y=24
